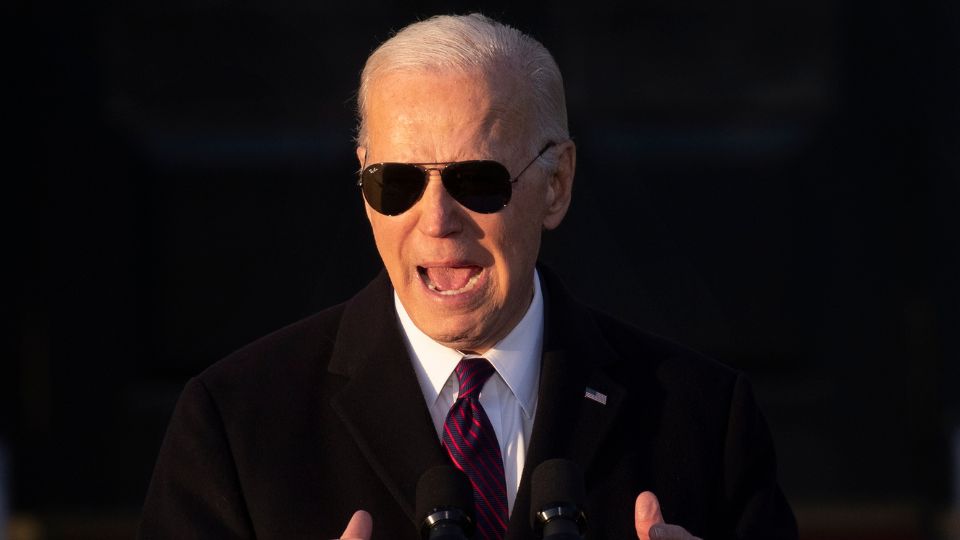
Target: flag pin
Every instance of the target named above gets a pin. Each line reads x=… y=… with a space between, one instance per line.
x=595 y=395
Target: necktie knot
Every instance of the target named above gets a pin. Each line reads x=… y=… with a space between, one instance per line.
x=473 y=374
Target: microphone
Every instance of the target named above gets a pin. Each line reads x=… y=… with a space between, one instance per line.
x=557 y=497
x=445 y=504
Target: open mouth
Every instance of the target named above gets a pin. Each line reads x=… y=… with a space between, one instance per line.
x=450 y=280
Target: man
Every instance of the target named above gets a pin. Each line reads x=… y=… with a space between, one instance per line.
x=465 y=159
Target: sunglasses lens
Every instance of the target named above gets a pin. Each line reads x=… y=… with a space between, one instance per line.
x=392 y=188
x=481 y=186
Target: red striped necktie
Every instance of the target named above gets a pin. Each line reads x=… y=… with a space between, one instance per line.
x=472 y=444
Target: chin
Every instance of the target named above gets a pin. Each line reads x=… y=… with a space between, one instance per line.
x=456 y=337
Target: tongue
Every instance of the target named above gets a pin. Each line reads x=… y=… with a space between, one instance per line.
x=451 y=279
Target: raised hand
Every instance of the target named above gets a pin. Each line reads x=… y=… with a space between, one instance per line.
x=359 y=528
x=650 y=524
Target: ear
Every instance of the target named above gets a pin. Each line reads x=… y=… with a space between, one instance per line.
x=560 y=186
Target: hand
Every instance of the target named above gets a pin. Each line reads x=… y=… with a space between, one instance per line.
x=359 y=528
x=649 y=521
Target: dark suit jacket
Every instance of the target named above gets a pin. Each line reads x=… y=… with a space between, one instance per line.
x=287 y=437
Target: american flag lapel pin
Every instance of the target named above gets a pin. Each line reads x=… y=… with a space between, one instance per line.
x=595 y=395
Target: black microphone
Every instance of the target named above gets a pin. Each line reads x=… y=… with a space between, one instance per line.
x=445 y=504
x=558 y=496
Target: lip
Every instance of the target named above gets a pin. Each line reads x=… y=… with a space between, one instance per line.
x=477 y=282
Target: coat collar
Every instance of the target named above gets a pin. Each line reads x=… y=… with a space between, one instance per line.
x=383 y=409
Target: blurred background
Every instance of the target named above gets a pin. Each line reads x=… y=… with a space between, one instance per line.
x=771 y=182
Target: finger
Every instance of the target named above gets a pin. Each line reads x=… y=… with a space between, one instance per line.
x=359 y=528
x=646 y=514
x=670 y=532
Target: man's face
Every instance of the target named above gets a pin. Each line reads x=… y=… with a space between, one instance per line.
x=466 y=279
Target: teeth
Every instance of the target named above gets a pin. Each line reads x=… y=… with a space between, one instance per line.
x=470 y=284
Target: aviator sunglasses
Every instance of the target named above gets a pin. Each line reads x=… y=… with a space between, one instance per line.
x=483 y=186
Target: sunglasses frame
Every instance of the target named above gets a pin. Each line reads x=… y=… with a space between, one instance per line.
x=442 y=166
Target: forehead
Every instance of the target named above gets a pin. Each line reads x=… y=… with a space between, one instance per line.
x=431 y=116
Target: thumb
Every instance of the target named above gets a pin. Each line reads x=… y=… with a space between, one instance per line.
x=359 y=528
x=646 y=514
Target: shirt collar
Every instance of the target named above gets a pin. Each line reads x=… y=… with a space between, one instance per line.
x=516 y=357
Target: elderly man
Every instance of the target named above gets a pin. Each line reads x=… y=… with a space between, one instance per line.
x=464 y=352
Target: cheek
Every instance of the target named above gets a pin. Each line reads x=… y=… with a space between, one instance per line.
x=528 y=220
x=521 y=240
x=387 y=238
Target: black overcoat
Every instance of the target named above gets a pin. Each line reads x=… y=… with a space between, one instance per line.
x=285 y=438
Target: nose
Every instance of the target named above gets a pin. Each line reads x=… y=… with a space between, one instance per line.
x=440 y=215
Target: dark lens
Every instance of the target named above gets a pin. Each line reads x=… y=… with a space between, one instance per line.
x=392 y=188
x=481 y=186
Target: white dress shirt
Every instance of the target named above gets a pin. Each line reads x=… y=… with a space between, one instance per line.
x=509 y=397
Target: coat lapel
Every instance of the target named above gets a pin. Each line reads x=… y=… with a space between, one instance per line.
x=568 y=424
x=382 y=404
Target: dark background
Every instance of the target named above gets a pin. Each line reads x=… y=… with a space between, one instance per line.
x=774 y=183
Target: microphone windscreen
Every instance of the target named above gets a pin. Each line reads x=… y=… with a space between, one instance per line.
x=443 y=486
x=556 y=482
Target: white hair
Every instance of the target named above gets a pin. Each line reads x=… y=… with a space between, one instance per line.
x=469 y=44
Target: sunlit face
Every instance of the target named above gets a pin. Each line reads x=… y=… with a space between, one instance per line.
x=466 y=279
